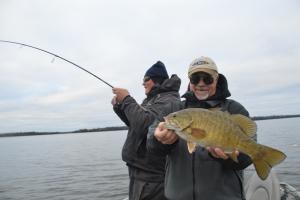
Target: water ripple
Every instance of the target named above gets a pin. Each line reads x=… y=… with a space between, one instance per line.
x=85 y=166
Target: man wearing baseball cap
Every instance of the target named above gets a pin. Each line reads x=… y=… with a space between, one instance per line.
x=204 y=69
x=207 y=173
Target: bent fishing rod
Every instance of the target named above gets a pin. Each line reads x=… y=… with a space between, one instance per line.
x=57 y=56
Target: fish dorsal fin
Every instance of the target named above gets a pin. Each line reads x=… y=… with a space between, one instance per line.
x=198 y=133
x=191 y=146
x=248 y=126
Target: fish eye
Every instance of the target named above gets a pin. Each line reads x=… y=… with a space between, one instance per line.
x=174 y=116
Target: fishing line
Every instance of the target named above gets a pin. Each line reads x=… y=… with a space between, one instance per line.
x=57 y=56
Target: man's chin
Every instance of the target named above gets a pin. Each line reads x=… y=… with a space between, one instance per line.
x=201 y=95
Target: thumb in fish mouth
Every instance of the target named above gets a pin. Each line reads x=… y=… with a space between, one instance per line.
x=166 y=119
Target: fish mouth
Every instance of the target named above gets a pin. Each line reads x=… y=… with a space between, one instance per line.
x=169 y=125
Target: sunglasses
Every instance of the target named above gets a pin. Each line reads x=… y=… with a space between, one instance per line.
x=207 y=78
x=146 y=79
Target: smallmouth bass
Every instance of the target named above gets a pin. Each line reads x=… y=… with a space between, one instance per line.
x=228 y=132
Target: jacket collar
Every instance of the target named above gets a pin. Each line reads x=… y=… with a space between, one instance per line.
x=171 y=84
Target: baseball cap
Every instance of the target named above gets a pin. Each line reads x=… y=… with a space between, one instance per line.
x=203 y=64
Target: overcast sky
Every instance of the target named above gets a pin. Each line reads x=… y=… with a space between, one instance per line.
x=255 y=44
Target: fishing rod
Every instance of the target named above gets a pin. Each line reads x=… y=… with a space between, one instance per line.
x=57 y=56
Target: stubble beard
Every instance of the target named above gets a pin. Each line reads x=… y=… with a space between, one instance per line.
x=202 y=95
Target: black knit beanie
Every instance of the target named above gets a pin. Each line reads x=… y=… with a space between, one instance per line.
x=157 y=70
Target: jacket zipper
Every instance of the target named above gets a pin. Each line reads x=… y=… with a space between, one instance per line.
x=193 y=175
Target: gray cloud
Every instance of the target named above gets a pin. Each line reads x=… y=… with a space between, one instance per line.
x=255 y=44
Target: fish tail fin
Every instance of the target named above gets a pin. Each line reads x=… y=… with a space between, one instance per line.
x=265 y=159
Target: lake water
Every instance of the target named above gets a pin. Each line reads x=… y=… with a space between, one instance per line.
x=89 y=166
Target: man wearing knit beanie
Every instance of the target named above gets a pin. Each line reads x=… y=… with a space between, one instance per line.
x=157 y=72
x=146 y=169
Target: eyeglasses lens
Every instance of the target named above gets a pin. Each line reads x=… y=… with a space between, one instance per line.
x=207 y=78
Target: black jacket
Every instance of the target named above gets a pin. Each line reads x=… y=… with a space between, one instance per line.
x=162 y=100
x=199 y=175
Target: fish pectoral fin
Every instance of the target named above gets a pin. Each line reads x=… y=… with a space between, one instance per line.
x=233 y=156
x=198 y=133
x=187 y=126
x=248 y=126
x=191 y=146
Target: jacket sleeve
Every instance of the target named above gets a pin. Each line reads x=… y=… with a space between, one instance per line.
x=154 y=146
x=144 y=116
x=244 y=160
x=120 y=113
x=137 y=116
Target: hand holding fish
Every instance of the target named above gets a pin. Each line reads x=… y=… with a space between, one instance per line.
x=120 y=93
x=164 y=135
x=219 y=153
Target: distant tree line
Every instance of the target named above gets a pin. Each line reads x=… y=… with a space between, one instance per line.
x=273 y=117
x=117 y=128
x=113 y=128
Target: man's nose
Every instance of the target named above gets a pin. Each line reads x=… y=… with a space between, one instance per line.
x=201 y=82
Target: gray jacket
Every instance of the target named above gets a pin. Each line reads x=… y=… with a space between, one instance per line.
x=199 y=175
x=162 y=100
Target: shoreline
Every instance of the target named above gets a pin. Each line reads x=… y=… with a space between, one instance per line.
x=33 y=133
x=117 y=128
